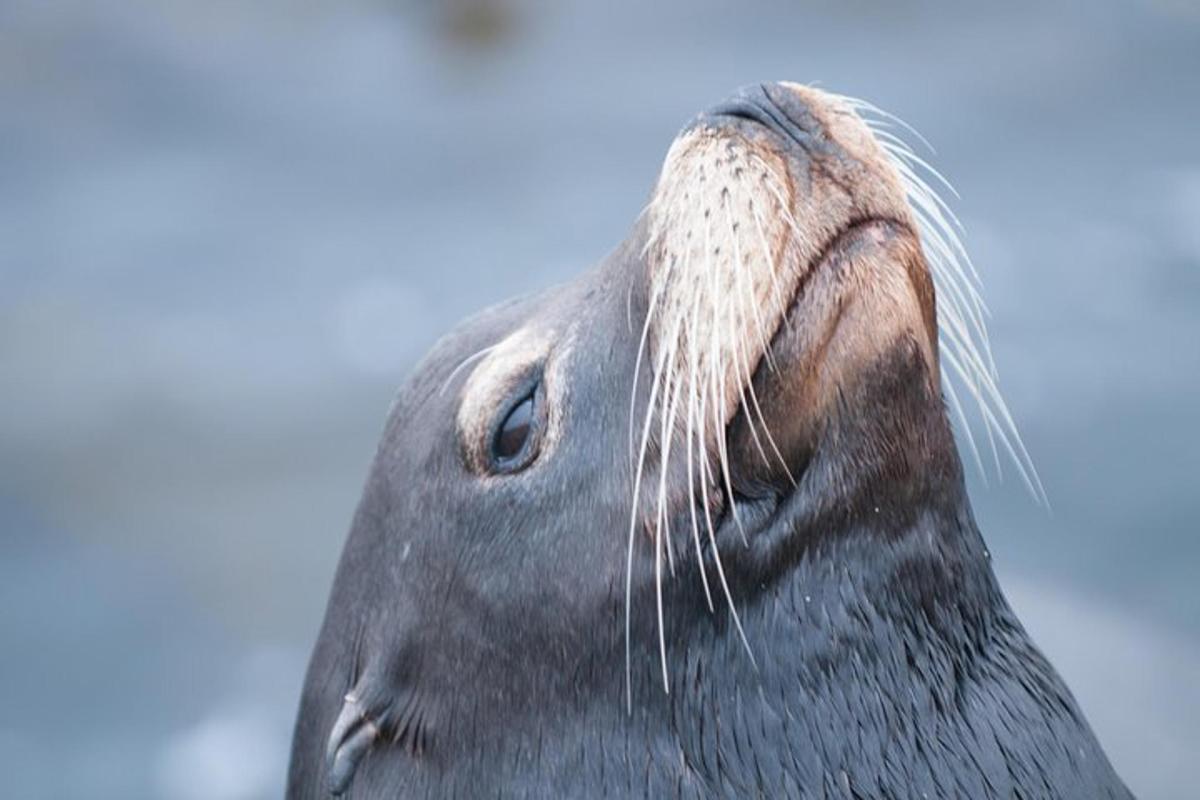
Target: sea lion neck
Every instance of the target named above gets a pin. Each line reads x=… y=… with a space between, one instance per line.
x=884 y=661
x=861 y=649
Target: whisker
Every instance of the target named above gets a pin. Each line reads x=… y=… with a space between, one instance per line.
x=637 y=366
x=968 y=361
x=720 y=408
x=966 y=427
x=705 y=480
x=1006 y=432
x=866 y=105
x=781 y=300
x=693 y=359
x=767 y=354
x=463 y=364
x=739 y=360
x=633 y=520
x=666 y=438
x=962 y=313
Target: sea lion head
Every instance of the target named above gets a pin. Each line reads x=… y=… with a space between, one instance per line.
x=574 y=486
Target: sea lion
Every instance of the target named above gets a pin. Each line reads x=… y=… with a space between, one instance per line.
x=695 y=523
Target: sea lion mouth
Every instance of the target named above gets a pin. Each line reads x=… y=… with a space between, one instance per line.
x=747 y=499
x=855 y=235
x=801 y=342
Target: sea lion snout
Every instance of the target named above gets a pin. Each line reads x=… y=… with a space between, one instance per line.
x=777 y=219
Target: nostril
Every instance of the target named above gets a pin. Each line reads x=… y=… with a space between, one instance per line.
x=756 y=104
x=791 y=106
x=749 y=102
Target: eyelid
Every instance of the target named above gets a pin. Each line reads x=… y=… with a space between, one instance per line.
x=510 y=370
x=530 y=388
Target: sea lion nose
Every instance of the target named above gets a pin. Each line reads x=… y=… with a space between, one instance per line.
x=773 y=105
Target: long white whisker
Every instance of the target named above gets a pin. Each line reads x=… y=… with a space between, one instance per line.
x=1007 y=432
x=463 y=364
x=900 y=148
x=766 y=350
x=666 y=438
x=705 y=480
x=662 y=529
x=735 y=320
x=693 y=359
x=633 y=520
x=966 y=427
x=870 y=107
x=781 y=301
x=720 y=409
x=760 y=326
x=637 y=366
x=962 y=313
x=969 y=367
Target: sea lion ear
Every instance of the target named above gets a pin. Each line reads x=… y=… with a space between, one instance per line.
x=352 y=737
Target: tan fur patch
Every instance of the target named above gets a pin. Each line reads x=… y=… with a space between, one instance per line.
x=879 y=305
x=716 y=251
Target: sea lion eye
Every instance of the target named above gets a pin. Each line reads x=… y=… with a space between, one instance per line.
x=510 y=443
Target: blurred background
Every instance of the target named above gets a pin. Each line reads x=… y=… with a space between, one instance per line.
x=228 y=230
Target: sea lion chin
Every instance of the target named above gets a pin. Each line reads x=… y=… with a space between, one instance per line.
x=694 y=524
